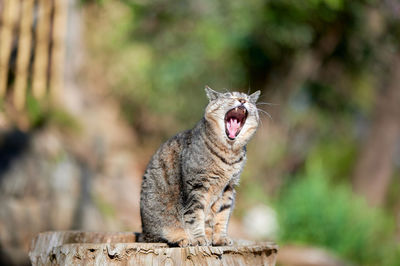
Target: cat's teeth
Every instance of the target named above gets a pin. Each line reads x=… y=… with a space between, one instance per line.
x=239 y=124
x=236 y=109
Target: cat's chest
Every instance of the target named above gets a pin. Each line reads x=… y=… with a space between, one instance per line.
x=220 y=175
x=226 y=166
x=229 y=171
x=228 y=176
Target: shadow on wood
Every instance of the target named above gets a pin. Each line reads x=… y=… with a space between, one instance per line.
x=99 y=248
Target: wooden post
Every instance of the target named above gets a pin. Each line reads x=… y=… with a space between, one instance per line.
x=24 y=53
x=41 y=63
x=95 y=248
x=9 y=17
x=58 y=51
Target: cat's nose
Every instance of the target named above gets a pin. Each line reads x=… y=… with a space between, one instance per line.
x=242 y=101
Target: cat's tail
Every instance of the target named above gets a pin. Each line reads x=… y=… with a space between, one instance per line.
x=143 y=238
x=139 y=237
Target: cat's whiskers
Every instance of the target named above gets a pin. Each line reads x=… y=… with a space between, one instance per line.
x=272 y=104
x=261 y=122
x=265 y=112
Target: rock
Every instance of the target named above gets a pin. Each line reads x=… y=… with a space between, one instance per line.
x=261 y=222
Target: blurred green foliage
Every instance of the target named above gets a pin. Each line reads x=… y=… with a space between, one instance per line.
x=314 y=211
x=160 y=54
x=41 y=114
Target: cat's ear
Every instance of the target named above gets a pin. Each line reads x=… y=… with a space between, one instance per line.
x=211 y=94
x=254 y=97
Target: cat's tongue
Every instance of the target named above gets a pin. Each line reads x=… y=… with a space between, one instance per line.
x=233 y=127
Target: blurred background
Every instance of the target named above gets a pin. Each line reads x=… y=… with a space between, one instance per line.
x=90 y=89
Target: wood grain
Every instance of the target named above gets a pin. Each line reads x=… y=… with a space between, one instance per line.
x=97 y=248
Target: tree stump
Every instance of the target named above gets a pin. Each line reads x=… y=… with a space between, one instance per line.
x=99 y=248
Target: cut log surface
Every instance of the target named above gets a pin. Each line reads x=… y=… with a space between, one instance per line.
x=99 y=248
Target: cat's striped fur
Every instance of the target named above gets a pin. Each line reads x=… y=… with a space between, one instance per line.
x=188 y=189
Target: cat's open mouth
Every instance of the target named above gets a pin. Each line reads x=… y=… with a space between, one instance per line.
x=234 y=121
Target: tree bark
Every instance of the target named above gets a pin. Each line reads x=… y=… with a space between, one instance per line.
x=95 y=248
x=374 y=168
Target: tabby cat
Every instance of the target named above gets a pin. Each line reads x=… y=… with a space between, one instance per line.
x=188 y=188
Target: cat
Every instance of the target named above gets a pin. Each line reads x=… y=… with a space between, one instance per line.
x=188 y=188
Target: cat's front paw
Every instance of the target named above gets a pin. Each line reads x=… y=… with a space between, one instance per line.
x=184 y=242
x=200 y=241
x=222 y=241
